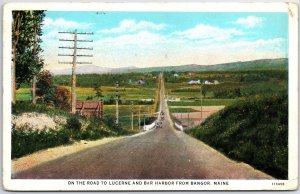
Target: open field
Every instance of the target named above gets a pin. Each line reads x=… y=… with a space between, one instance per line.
x=127 y=94
x=125 y=112
x=205 y=102
x=194 y=117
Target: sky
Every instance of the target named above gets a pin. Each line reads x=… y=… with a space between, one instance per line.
x=147 y=39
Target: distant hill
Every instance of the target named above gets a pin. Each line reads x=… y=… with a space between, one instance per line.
x=86 y=69
x=263 y=64
x=91 y=69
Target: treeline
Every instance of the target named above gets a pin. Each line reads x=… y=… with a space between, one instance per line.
x=124 y=79
x=254 y=130
x=229 y=76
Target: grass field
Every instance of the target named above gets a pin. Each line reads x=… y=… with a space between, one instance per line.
x=205 y=102
x=125 y=112
x=128 y=94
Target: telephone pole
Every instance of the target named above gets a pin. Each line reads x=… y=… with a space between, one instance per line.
x=131 y=116
x=140 y=117
x=74 y=61
x=201 y=98
x=117 y=103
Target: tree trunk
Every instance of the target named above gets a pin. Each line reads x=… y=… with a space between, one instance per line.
x=35 y=62
x=14 y=73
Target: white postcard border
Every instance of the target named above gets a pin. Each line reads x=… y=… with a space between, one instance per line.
x=48 y=185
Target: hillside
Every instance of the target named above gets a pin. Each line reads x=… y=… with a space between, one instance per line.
x=263 y=64
x=254 y=131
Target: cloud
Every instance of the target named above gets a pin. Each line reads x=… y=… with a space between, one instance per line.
x=133 y=26
x=139 y=39
x=64 y=24
x=202 y=32
x=250 y=21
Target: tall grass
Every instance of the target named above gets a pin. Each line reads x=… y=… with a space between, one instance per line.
x=254 y=131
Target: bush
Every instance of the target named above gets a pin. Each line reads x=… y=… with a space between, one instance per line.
x=62 y=97
x=26 y=141
x=45 y=86
x=254 y=131
x=73 y=123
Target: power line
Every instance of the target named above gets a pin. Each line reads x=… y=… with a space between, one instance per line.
x=74 y=61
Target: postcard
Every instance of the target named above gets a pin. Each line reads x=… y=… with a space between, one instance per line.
x=150 y=96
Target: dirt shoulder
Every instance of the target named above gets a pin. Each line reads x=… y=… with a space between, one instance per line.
x=42 y=156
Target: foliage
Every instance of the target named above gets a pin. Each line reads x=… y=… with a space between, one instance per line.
x=98 y=91
x=45 y=86
x=124 y=79
x=254 y=131
x=25 y=141
x=62 y=97
x=23 y=37
x=73 y=123
x=26 y=106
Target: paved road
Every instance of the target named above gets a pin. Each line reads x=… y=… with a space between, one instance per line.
x=157 y=154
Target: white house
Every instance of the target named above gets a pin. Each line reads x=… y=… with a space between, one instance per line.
x=207 y=82
x=194 y=82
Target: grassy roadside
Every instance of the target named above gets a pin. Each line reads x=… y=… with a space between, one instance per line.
x=26 y=140
x=253 y=130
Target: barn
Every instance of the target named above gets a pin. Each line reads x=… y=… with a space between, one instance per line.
x=90 y=108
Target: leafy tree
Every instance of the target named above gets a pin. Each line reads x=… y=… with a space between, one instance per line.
x=62 y=97
x=45 y=86
x=27 y=30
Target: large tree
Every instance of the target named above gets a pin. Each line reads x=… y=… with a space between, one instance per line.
x=26 y=39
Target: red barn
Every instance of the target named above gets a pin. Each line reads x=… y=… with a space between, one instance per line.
x=90 y=108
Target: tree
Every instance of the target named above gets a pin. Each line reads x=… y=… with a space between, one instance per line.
x=98 y=91
x=38 y=62
x=26 y=41
x=45 y=85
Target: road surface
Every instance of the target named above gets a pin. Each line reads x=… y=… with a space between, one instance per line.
x=163 y=153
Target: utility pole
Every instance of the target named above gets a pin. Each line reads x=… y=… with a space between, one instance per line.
x=140 y=117
x=117 y=103
x=74 y=61
x=201 y=98
x=131 y=116
x=188 y=119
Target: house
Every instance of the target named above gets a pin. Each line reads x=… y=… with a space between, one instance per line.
x=191 y=73
x=90 y=108
x=175 y=75
x=194 y=82
x=207 y=82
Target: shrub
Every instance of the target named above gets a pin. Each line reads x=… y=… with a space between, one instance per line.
x=26 y=141
x=62 y=97
x=45 y=85
x=73 y=123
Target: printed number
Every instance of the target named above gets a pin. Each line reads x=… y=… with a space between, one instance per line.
x=277 y=184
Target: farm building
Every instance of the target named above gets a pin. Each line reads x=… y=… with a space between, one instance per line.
x=90 y=108
x=194 y=82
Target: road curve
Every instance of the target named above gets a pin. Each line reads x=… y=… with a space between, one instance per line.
x=163 y=153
